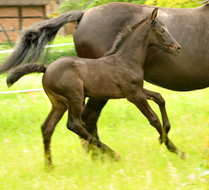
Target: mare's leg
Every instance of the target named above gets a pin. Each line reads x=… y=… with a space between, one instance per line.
x=140 y=100
x=57 y=111
x=90 y=115
x=158 y=99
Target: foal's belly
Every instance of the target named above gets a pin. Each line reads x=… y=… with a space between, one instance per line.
x=103 y=91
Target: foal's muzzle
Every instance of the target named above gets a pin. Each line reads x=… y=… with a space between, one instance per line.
x=175 y=49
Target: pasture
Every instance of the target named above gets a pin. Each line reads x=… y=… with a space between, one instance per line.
x=145 y=164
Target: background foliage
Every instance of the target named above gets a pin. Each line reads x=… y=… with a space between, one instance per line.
x=87 y=4
x=174 y=4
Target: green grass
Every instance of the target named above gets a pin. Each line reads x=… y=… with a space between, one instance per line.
x=145 y=164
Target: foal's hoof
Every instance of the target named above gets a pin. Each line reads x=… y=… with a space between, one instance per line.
x=183 y=155
x=49 y=167
x=99 y=155
x=117 y=157
x=114 y=156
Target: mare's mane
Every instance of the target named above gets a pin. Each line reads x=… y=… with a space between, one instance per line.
x=122 y=36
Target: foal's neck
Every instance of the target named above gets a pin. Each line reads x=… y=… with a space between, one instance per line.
x=135 y=47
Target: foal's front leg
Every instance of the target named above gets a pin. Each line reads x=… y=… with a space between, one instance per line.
x=158 y=99
x=138 y=98
x=94 y=106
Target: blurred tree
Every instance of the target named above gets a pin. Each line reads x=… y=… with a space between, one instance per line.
x=67 y=5
x=172 y=3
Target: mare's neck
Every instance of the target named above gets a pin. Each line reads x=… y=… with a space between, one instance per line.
x=135 y=47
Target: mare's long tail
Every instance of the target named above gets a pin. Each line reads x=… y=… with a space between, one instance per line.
x=31 y=42
x=20 y=71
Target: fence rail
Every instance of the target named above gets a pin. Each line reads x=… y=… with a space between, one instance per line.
x=55 y=45
x=30 y=90
x=19 y=91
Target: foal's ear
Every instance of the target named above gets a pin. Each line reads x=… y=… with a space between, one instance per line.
x=154 y=14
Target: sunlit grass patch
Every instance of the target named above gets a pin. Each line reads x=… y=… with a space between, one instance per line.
x=145 y=163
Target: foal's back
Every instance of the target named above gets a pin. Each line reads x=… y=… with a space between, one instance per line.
x=102 y=78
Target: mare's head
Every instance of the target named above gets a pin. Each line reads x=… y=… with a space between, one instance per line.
x=161 y=37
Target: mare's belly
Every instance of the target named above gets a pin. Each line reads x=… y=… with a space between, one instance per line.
x=179 y=73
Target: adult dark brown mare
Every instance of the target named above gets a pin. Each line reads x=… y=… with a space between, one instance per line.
x=68 y=80
x=97 y=30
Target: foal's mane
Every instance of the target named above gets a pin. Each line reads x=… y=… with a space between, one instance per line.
x=205 y=2
x=122 y=36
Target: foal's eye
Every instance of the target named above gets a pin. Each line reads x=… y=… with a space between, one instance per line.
x=162 y=31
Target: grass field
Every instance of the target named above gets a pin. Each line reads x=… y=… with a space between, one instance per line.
x=145 y=164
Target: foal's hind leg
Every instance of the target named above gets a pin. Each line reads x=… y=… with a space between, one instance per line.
x=75 y=124
x=57 y=111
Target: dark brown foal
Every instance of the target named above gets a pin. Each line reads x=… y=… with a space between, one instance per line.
x=68 y=80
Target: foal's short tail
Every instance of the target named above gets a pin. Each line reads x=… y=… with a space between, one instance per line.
x=32 y=41
x=20 y=71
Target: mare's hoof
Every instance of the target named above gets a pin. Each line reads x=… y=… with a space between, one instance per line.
x=160 y=140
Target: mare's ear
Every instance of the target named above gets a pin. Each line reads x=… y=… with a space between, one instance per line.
x=154 y=14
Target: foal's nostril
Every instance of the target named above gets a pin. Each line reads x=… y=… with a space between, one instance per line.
x=178 y=47
x=175 y=48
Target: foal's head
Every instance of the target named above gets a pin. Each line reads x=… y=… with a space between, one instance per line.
x=161 y=37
